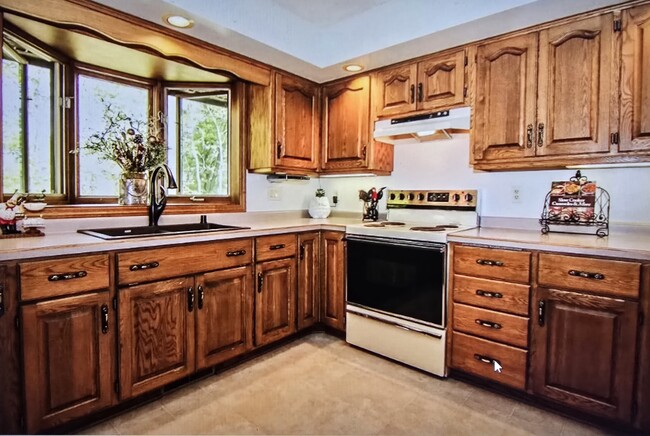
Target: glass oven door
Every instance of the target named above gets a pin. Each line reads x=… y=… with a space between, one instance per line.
x=398 y=277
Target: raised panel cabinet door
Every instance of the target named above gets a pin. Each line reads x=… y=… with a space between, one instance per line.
x=296 y=123
x=224 y=315
x=308 y=279
x=333 y=277
x=575 y=83
x=156 y=334
x=441 y=81
x=395 y=90
x=635 y=80
x=584 y=350
x=346 y=124
x=506 y=94
x=68 y=346
x=275 y=300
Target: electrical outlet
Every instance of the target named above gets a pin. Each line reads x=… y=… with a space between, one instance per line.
x=274 y=194
x=516 y=194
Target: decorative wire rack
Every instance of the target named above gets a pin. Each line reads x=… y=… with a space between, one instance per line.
x=599 y=220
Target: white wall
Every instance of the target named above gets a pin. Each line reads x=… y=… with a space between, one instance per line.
x=291 y=195
x=445 y=165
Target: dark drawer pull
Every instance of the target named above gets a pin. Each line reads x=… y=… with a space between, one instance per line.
x=276 y=247
x=67 y=276
x=104 y=310
x=488 y=294
x=141 y=266
x=488 y=262
x=489 y=324
x=586 y=275
x=485 y=359
x=235 y=253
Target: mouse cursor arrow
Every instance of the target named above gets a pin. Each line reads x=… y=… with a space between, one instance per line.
x=497 y=367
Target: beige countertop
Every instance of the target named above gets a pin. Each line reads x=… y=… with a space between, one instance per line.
x=67 y=241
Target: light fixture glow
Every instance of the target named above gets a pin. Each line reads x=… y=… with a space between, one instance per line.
x=179 y=21
x=353 y=68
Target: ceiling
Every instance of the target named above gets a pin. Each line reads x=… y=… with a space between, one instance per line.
x=315 y=38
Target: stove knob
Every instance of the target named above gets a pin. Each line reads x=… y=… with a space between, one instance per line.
x=411 y=196
x=469 y=197
x=421 y=196
x=455 y=197
x=402 y=196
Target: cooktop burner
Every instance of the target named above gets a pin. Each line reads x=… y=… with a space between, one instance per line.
x=385 y=224
x=440 y=228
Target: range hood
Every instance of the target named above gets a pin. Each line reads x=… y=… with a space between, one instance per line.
x=424 y=127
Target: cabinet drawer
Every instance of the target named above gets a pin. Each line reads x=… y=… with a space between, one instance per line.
x=492 y=263
x=600 y=276
x=476 y=356
x=275 y=247
x=147 y=265
x=502 y=327
x=491 y=294
x=52 y=278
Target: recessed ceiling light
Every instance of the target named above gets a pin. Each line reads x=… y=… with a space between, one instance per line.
x=179 y=21
x=353 y=68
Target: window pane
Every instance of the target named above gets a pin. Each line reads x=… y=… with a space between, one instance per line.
x=98 y=176
x=204 y=144
x=40 y=136
x=12 y=127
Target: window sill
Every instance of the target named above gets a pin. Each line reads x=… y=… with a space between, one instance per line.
x=113 y=210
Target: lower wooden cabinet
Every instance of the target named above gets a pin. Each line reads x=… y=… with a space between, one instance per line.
x=308 y=279
x=585 y=351
x=332 y=306
x=275 y=300
x=68 y=355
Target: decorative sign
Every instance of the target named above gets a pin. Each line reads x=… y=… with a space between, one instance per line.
x=572 y=201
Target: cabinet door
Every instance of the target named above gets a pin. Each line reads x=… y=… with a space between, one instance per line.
x=575 y=83
x=296 y=123
x=275 y=300
x=333 y=276
x=156 y=334
x=68 y=358
x=224 y=316
x=583 y=350
x=506 y=93
x=441 y=81
x=346 y=119
x=308 y=279
x=635 y=80
x=394 y=90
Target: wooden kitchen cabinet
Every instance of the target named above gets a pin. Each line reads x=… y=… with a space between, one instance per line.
x=437 y=82
x=284 y=125
x=347 y=144
x=584 y=351
x=308 y=279
x=332 y=307
x=68 y=358
x=275 y=300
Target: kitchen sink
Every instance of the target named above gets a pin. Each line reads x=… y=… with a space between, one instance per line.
x=164 y=230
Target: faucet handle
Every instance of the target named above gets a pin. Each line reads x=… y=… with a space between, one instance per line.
x=204 y=219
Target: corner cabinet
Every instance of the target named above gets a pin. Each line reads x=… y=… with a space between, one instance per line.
x=347 y=144
x=283 y=125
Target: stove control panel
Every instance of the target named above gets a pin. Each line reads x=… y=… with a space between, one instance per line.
x=456 y=199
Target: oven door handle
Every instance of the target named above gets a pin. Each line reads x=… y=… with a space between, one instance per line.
x=442 y=248
x=400 y=326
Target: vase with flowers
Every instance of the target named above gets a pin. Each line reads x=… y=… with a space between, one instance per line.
x=136 y=146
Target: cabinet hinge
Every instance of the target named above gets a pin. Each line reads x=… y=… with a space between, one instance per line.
x=641 y=318
x=614 y=138
x=618 y=25
x=116 y=387
x=17 y=322
x=465 y=92
x=466 y=61
x=114 y=303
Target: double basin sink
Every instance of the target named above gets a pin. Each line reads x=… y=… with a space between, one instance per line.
x=111 y=233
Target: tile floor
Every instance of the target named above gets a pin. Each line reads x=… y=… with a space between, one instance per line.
x=320 y=385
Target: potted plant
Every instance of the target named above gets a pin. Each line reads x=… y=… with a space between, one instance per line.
x=136 y=146
x=319 y=206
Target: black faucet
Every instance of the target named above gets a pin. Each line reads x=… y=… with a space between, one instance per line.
x=160 y=180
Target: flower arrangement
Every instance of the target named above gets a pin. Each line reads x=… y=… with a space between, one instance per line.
x=320 y=192
x=135 y=145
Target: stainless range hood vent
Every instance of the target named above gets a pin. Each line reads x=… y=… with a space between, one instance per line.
x=425 y=127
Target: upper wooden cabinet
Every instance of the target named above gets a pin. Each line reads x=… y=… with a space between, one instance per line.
x=635 y=80
x=434 y=83
x=283 y=126
x=347 y=130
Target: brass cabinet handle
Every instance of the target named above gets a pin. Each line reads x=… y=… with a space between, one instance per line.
x=302 y=251
x=276 y=247
x=420 y=92
x=489 y=324
x=412 y=94
x=235 y=253
x=279 y=150
x=586 y=275
x=190 y=299
x=541 y=312
x=488 y=294
x=104 y=310
x=141 y=266
x=260 y=282
x=364 y=152
x=199 y=291
x=488 y=262
x=540 y=135
x=529 y=136
x=67 y=276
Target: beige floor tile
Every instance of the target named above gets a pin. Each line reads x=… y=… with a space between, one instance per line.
x=105 y=428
